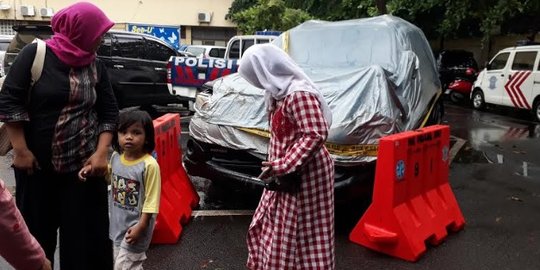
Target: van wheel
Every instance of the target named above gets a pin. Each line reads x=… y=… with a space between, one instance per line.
x=478 y=101
x=536 y=110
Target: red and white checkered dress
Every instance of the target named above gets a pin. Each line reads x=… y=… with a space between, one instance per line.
x=296 y=230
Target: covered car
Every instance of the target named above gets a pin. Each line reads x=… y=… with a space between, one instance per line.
x=377 y=74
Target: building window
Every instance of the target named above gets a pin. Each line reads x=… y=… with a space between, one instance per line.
x=6 y=27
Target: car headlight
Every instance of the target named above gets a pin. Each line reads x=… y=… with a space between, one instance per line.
x=202 y=101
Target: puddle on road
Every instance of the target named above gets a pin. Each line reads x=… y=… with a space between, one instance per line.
x=469 y=155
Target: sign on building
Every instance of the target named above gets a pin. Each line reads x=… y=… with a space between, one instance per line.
x=169 y=34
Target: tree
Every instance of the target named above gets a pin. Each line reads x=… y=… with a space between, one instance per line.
x=381 y=6
x=334 y=10
x=270 y=15
x=437 y=18
x=238 y=6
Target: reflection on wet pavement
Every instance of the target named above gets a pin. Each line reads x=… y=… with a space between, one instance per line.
x=470 y=155
x=496 y=138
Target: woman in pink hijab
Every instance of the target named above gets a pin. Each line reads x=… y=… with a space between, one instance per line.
x=63 y=122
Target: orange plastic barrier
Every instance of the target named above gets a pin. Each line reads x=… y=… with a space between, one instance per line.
x=178 y=195
x=412 y=200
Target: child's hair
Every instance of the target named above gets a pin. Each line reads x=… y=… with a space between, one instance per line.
x=128 y=118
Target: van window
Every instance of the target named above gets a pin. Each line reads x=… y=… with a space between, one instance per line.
x=128 y=46
x=246 y=44
x=197 y=51
x=234 y=52
x=262 y=41
x=524 y=61
x=217 y=52
x=158 y=52
x=499 y=62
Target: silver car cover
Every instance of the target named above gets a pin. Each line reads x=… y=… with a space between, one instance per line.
x=377 y=74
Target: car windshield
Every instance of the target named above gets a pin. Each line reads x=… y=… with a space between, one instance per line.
x=4 y=45
x=197 y=51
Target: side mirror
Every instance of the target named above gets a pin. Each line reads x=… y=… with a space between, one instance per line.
x=487 y=65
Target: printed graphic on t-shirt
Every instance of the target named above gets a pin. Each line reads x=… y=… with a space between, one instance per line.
x=125 y=192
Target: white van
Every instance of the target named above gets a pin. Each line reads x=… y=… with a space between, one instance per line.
x=512 y=78
x=237 y=45
x=206 y=51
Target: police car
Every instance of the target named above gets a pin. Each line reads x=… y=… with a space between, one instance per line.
x=512 y=78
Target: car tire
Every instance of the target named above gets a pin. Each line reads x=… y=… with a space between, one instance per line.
x=536 y=110
x=478 y=101
x=455 y=98
x=436 y=116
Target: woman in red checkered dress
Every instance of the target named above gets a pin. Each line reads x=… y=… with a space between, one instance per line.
x=292 y=230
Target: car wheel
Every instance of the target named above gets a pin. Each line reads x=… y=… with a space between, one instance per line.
x=536 y=110
x=437 y=114
x=478 y=101
x=455 y=98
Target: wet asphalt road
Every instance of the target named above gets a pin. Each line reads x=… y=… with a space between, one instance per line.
x=495 y=176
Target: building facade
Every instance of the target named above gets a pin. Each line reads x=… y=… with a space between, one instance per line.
x=180 y=22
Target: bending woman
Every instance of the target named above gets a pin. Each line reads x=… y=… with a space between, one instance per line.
x=292 y=230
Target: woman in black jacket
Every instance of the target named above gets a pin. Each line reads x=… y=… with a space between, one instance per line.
x=64 y=121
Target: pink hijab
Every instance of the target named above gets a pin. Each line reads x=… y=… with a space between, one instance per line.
x=76 y=29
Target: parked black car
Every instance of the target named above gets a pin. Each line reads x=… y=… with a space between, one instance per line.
x=136 y=64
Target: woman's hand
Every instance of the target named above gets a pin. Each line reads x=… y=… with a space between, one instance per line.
x=266 y=170
x=97 y=163
x=25 y=160
x=46 y=265
x=84 y=172
x=98 y=160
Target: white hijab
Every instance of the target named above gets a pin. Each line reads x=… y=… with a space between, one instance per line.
x=268 y=67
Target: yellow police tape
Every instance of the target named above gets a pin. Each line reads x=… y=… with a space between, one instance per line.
x=431 y=108
x=336 y=149
x=285 y=41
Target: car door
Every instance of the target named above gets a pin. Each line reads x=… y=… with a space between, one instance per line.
x=495 y=79
x=131 y=77
x=519 y=86
x=156 y=58
x=536 y=79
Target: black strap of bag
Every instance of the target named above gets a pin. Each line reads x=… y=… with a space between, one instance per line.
x=289 y=183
